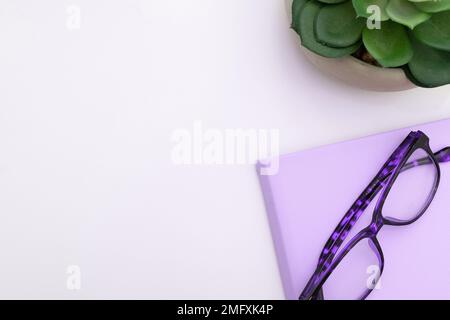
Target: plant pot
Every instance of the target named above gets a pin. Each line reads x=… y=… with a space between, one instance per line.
x=356 y=72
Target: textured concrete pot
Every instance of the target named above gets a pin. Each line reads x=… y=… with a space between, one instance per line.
x=356 y=72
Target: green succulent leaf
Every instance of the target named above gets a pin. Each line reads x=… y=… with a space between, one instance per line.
x=429 y=67
x=332 y=1
x=296 y=8
x=436 y=31
x=433 y=6
x=390 y=45
x=406 y=13
x=363 y=8
x=338 y=25
x=306 y=21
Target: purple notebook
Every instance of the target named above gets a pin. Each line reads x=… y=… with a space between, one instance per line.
x=312 y=191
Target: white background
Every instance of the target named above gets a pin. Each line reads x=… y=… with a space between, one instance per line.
x=86 y=118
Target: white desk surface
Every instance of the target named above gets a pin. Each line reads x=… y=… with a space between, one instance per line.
x=86 y=118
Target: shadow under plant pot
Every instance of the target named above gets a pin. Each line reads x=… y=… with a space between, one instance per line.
x=356 y=72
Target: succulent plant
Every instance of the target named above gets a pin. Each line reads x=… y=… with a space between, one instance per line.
x=409 y=34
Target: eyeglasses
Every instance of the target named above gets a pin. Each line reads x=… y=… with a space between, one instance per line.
x=406 y=185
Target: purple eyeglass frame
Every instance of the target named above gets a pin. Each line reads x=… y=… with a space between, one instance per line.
x=383 y=182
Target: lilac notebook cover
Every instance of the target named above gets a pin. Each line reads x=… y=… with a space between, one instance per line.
x=312 y=191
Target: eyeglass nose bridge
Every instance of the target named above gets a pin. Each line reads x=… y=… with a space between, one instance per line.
x=376 y=226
